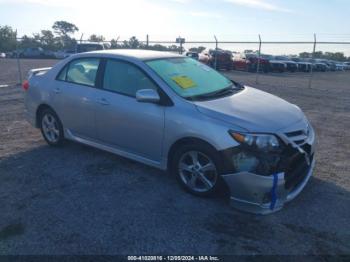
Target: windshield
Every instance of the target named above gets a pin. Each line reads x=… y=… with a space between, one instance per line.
x=188 y=77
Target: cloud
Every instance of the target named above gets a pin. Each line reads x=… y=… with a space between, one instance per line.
x=205 y=14
x=259 y=4
x=181 y=1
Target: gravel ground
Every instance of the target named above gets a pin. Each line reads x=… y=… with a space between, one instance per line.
x=79 y=200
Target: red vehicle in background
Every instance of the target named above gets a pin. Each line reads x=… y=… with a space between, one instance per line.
x=222 y=58
x=249 y=62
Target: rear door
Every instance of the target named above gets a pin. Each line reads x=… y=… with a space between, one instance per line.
x=123 y=122
x=73 y=96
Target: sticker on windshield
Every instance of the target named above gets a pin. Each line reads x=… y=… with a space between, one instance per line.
x=183 y=81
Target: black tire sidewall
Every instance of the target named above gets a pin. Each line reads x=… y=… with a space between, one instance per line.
x=60 y=127
x=208 y=151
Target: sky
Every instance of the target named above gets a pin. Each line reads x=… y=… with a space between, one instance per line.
x=195 y=20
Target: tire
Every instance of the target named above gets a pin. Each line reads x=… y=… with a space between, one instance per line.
x=51 y=127
x=191 y=178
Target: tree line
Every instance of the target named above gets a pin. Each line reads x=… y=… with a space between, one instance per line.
x=60 y=37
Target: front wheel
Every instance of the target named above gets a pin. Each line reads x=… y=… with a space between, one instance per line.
x=196 y=169
x=51 y=128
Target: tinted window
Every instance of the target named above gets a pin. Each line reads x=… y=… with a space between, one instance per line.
x=125 y=78
x=83 y=71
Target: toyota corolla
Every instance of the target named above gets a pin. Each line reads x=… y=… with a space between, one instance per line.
x=177 y=114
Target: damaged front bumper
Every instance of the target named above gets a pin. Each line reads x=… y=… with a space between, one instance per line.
x=263 y=194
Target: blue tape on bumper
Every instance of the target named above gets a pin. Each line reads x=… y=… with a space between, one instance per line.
x=273 y=192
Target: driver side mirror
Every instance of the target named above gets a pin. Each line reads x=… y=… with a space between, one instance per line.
x=147 y=96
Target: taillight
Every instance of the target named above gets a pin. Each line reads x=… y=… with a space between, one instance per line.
x=25 y=85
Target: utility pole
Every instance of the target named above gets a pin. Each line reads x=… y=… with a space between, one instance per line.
x=216 y=51
x=259 y=58
x=116 y=41
x=313 y=61
x=18 y=62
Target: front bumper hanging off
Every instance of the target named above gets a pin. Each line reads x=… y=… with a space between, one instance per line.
x=262 y=194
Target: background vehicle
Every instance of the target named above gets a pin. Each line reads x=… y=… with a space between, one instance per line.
x=2 y=55
x=291 y=65
x=303 y=66
x=249 y=62
x=49 y=54
x=222 y=58
x=319 y=66
x=340 y=66
x=275 y=65
x=35 y=52
x=204 y=57
x=64 y=54
x=331 y=65
x=347 y=65
x=193 y=55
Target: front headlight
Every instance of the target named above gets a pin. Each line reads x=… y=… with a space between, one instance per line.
x=263 y=142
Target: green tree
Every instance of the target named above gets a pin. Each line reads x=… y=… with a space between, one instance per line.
x=7 y=39
x=96 y=38
x=29 y=41
x=63 y=28
x=305 y=55
x=114 y=44
x=48 y=40
x=134 y=42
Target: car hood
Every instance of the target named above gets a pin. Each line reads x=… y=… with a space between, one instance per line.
x=252 y=110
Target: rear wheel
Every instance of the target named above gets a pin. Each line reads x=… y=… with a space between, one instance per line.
x=51 y=127
x=197 y=169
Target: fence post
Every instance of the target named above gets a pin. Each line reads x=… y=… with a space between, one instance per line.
x=18 y=62
x=116 y=41
x=80 y=41
x=147 y=40
x=258 y=66
x=216 y=51
x=312 y=65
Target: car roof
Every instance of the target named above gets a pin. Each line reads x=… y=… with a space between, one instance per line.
x=134 y=53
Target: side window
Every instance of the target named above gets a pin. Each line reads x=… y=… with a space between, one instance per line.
x=125 y=78
x=63 y=73
x=83 y=71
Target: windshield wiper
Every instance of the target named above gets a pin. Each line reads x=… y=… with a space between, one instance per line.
x=219 y=93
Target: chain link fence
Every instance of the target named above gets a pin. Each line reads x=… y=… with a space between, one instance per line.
x=316 y=56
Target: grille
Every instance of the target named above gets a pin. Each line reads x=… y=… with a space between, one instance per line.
x=297 y=170
x=298 y=137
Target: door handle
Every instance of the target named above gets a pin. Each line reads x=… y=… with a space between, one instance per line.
x=103 y=101
x=57 y=90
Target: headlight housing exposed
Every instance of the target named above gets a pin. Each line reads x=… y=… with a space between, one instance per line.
x=258 y=153
x=262 y=142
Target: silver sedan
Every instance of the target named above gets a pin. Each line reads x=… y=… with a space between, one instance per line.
x=176 y=114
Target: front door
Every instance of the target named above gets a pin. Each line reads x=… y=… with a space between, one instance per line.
x=123 y=122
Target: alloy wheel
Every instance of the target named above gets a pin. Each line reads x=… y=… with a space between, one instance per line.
x=197 y=171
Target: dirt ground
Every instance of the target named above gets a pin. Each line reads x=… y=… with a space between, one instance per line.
x=80 y=200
